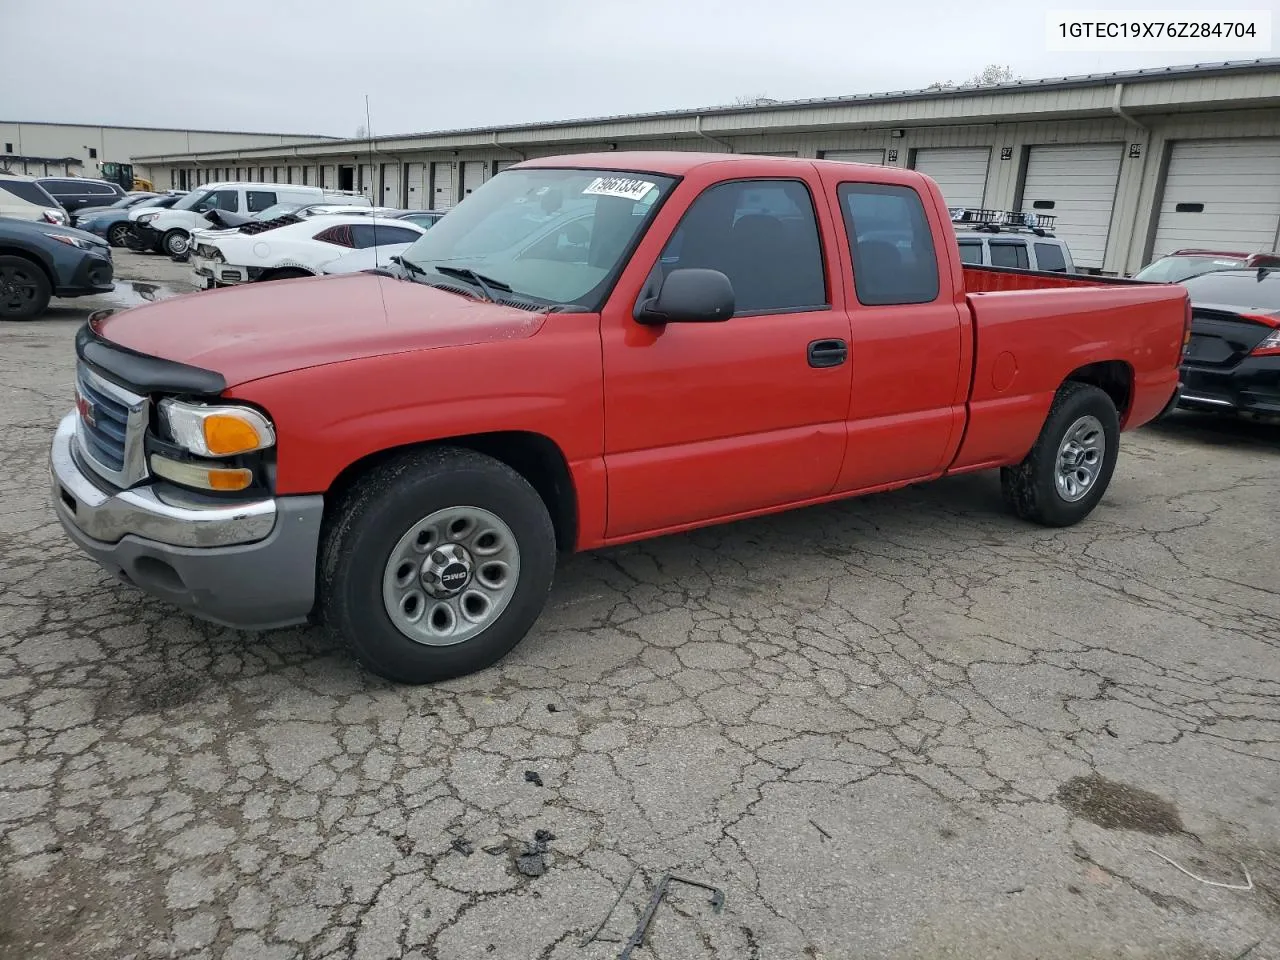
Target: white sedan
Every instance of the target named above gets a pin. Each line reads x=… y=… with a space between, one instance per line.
x=293 y=250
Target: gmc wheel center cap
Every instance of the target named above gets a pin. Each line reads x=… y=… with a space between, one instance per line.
x=454 y=576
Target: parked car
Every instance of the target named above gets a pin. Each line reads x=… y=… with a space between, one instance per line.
x=76 y=193
x=169 y=231
x=1012 y=239
x=298 y=249
x=1232 y=361
x=404 y=456
x=22 y=198
x=1184 y=264
x=123 y=203
x=370 y=258
x=426 y=219
x=113 y=224
x=43 y=260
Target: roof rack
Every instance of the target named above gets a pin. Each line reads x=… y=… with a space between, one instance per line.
x=1002 y=221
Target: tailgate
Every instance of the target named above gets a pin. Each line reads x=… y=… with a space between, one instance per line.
x=1221 y=337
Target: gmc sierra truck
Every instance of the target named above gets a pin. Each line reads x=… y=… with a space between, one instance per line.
x=589 y=350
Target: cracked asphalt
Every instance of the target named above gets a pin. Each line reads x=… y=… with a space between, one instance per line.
x=907 y=726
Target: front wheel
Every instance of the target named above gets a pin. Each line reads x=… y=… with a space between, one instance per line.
x=24 y=289
x=1068 y=470
x=436 y=565
x=118 y=234
x=175 y=243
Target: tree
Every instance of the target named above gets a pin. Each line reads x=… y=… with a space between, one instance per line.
x=989 y=75
x=361 y=132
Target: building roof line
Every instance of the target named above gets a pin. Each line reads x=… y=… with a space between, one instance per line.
x=120 y=126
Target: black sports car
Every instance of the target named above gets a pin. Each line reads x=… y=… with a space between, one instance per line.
x=1232 y=362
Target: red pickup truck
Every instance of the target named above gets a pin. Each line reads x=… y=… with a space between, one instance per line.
x=589 y=350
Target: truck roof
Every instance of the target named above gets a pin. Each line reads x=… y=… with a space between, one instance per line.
x=681 y=162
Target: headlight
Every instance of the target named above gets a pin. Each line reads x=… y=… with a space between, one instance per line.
x=147 y=217
x=55 y=216
x=72 y=241
x=224 y=431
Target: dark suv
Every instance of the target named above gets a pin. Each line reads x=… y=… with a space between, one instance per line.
x=77 y=192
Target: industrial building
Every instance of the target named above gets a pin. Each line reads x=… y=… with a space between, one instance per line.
x=1131 y=164
x=75 y=149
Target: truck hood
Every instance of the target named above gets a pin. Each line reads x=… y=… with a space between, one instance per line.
x=261 y=329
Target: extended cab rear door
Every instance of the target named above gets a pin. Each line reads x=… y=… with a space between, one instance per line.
x=709 y=420
x=911 y=343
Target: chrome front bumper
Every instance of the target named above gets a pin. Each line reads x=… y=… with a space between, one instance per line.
x=248 y=565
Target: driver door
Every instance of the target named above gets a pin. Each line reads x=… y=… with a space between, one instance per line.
x=707 y=420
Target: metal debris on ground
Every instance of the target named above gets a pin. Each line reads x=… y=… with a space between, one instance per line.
x=1248 y=880
x=642 y=928
x=463 y=846
x=552 y=708
x=595 y=934
x=532 y=776
x=825 y=836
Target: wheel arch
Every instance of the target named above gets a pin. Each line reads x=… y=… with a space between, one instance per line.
x=534 y=456
x=1114 y=377
x=8 y=250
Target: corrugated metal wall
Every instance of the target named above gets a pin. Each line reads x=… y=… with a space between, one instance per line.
x=1138 y=186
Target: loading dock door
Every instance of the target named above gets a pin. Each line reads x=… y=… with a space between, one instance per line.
x=1220 y=194
x=1077 y=184
x=366 y=182
x=474 y=173
x=391 y=185
x=960 y=172
x=441 y=185
x=503 y=164
x=417 y=187
x=855 y=156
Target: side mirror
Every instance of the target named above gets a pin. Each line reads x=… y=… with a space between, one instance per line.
x=690 y=295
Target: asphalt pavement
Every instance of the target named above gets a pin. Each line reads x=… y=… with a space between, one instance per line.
x=905 y=726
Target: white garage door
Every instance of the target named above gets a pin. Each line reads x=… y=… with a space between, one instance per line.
x=960 y=172
x=295 y=174
x=503 y=164
x=417 y=183
x=474 y=173
x=391 y=184
x=1220 y=193
x=855 y=156
x=442 y=184
x=366 y=181
x=329 y=176
x=1076 y=184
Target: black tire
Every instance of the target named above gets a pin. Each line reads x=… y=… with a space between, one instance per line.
x=364 y=527
x=1031 y=487
x=118 y=234
x=24 y=289
x=174 y=242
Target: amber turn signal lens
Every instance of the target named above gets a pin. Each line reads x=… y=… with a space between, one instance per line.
x=226 y=435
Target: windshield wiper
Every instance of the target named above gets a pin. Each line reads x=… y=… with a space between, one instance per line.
x=409 y=265
x=486 y=284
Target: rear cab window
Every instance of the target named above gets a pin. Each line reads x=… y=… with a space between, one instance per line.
x=894 y=259
x=971 y=251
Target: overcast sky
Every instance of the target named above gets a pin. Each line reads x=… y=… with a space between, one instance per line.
x=304 y=66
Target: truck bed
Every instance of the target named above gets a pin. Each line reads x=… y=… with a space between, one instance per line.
x=985 y=279
x=1031 y=330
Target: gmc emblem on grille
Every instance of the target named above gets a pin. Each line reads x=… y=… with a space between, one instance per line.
x=85 y=408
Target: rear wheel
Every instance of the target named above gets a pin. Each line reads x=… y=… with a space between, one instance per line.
x=436 y=565
x=24 y=289
x=1069 y=469
x=118 y=234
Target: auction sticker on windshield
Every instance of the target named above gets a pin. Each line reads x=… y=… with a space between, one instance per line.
x=627 y=188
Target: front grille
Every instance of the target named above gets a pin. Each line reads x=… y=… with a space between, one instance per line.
x=111 y=428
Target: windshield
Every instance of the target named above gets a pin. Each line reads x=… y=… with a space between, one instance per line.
x=190 y=200
x=557 y=236
x=1177 y=269
x=1251 y=290
x=275 y=210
